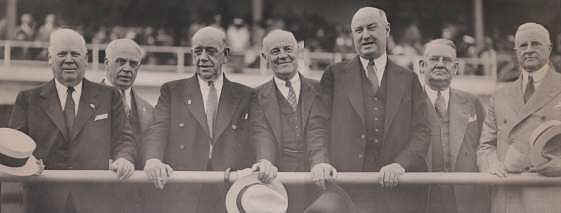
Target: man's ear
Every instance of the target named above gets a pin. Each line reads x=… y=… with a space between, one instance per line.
x=106 y=62
x=264 y=56
x=227 y=52
x=422 y=64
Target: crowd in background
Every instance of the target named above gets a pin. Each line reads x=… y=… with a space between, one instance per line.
x=316 y=33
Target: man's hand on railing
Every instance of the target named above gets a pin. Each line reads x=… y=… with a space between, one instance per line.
x=389 y=175
x=266 y=170
x=122 y=167
x=158 y=172
x=498 y=169
x=323 y=172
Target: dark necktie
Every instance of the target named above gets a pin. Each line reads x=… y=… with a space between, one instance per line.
x=125 y=103
x=69 y=110
x=292 y=100
x=372 y=76
x=211 y=106
x=530 y=88
x=440 y=104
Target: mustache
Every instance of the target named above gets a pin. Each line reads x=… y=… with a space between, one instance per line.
x=287 y=59
x=208 y=63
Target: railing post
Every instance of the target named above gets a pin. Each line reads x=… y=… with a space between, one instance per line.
x=180 y=60
x=7 y=54
x=95 y=57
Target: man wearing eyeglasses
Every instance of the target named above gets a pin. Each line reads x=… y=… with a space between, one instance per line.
x=200 y=125
x=455 y=119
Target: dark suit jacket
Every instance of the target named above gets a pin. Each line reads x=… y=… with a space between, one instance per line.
x=179 y=136
x=466 y=115
x=266 y=124
x=100 y=133
x=406 y=125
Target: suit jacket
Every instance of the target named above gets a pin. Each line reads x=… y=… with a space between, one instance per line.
x=180 y=137
x=406 y=126
x=266 y=126
x=100 y=133
x=466 y=116
x=509 y=120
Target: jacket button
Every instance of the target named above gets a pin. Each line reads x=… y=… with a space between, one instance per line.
x=360 y=156
x=234 y=127
x=504 y=121
x=181 y=124
x=182 y=146
x=362 y=136
x=376 y=141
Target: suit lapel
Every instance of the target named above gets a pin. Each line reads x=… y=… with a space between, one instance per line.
x=271 y=107
x=86 y=107
x=545 y=93
x=353 y=86
x=190 y=93
x=395 y=84
x=307 y=96
x=51 y=104
x=228 y=104
x=459 y=109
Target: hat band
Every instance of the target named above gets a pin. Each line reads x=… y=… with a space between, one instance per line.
x=11 y=161
x=239 y=198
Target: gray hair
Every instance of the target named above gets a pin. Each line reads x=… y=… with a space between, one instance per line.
x=57 y=34
x=122 y=43
x=440 y=41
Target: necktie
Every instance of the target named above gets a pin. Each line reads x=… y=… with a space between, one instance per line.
x=69 y=110
x=125 y=103
x=440 y=104
x=530 y=88
x=372 y=76
x=211 y=106
x=292 y=100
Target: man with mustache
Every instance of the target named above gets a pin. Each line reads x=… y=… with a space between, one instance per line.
x=279 y=121
x=123 y=59
x=456 y=118
x=376 y=116
x=200 y=125
x=77 y=125
x=514 y=112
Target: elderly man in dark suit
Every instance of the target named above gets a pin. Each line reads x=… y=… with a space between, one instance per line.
x=77 y=125
x=456 y=118
x=378 y=120
x=200 y=125
x=123 y=59
x=279 y=119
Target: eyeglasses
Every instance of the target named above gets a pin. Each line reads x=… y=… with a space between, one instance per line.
x=132 y=63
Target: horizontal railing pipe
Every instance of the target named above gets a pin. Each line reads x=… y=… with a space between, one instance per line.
x=103 y=176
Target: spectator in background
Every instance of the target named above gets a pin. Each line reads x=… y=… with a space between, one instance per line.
x=100 y=37
x=409 y=47
x=24 y=32
x=556 y=55
x=238 y=40
x=3 y=29
x=46 y=29
x=488 y=57
x=165 y=39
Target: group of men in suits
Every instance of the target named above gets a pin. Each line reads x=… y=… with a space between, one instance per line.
x=366 y=114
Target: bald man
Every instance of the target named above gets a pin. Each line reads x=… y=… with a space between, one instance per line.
x=279 y=120
x=200 y=125
x=378 y=120
x=514 y=112
x=77 y=125
x=456 y=118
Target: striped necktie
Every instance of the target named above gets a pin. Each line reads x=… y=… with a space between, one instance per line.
x=372 y=76
x=211 y=106
x=69 y=110
x=292 y=100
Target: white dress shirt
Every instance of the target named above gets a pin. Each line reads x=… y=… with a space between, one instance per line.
x=538 y=76
x=127 y=92
x=205 y=88
x=294 y=81
x=380 y=63
x=433 y=94
x=62 y=91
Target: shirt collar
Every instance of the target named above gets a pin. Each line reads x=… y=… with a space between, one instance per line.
x=433 y=94
x=108 y=83
x=295 y=80
x=217 y=82
x=537 y=75
x=62 y=89
x=380 y=62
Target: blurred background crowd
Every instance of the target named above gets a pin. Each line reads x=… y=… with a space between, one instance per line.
x=318 y=29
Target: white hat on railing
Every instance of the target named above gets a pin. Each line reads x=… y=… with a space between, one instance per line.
x=16 y=153
x=250 y=195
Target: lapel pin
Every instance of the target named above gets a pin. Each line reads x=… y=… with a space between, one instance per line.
x=245 y=116
x=558 y=106
x=92 y=106
x=189 y=101
x=234 y=127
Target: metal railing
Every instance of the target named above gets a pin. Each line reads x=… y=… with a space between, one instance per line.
x=185 y=177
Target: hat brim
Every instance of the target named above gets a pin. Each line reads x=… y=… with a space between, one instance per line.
x=536 y=153
x=31 y=167
x=235 y=189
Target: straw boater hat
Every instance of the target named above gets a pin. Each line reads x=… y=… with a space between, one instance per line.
x=16 y=153
x=545 y=154
x=249 y=195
